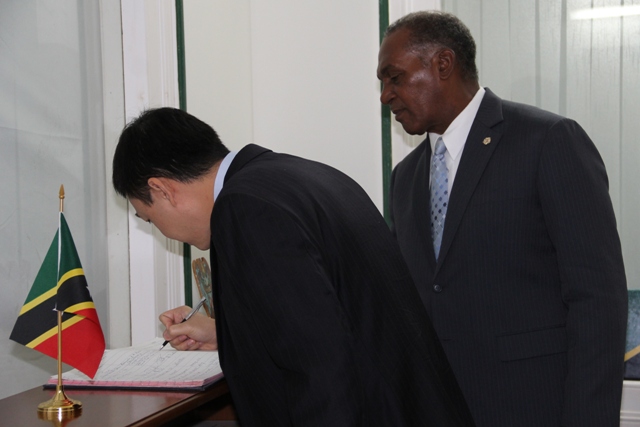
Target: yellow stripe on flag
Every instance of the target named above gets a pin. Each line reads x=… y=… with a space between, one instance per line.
x=51 y=292
x=39 y=300
x=53 y=331
x=632 y=353
x=81 y=306
x=69 y=274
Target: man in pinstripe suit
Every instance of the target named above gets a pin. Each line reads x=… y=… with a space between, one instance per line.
x=528 y=292
x=318 y=321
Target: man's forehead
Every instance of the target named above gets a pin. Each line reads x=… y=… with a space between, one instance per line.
x=393 y=56
x=384 y=57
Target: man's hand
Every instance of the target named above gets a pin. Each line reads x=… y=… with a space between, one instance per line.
x=197 y=333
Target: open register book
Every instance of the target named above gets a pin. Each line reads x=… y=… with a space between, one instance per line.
x=147 y=368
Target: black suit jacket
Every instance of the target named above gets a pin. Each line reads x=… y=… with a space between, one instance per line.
x=318 y=320
x=529 y=295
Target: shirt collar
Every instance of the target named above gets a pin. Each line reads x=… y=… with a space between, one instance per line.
x=222 y=172
x=456 y=134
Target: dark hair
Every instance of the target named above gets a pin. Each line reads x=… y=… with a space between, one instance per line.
x=435 y=28
x=163 y=142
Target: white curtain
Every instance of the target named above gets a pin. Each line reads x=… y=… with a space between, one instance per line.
x=578 y=58
x=51 y=133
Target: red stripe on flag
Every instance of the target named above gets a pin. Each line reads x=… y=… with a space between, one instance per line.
x=90 y=314
x=82 y=345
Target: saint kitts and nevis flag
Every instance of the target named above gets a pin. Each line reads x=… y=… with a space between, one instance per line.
x=61 y=285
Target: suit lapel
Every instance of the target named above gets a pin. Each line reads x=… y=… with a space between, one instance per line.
x=475 y=157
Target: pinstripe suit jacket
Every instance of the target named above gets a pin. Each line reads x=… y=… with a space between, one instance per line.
x=529 y=294
x=318 y=320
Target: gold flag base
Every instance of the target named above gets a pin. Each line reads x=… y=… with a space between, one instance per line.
x=59 y=407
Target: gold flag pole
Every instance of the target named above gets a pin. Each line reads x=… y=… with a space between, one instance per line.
x=60 y=407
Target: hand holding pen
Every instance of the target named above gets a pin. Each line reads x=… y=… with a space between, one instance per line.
x=191 y=313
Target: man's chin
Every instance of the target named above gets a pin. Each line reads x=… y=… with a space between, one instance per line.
x=201 y=246
x=408 y=128
x=412 y=131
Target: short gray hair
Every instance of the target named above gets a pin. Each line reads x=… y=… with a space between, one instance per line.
x=440 y=29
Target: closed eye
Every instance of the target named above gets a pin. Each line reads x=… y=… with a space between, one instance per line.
x=145 y=220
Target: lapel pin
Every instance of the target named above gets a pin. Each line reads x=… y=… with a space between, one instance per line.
x=486 y=141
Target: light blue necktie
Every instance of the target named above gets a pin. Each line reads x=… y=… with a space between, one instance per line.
x=439 y=194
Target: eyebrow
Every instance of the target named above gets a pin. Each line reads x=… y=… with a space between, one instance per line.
x=380 y=74
x=385 y=70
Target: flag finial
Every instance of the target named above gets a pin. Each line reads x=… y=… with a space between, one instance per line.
x=61 y=198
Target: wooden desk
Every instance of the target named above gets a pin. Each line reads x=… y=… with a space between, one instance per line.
x=107 y=408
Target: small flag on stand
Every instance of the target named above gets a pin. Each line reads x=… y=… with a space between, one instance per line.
x=61 y=286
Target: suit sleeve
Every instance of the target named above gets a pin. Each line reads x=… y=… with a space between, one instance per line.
x=580 y=219
x=290 y=306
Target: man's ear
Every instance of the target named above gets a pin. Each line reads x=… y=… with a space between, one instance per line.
x=162 y=188
x=446 y=63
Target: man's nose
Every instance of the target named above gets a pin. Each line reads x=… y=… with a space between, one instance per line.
x=386 y=95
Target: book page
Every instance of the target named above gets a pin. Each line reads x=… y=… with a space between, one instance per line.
x=147 y=366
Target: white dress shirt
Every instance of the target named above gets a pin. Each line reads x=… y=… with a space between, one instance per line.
x=222 y=172
x=456 y=135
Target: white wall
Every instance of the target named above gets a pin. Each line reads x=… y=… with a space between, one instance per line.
x=630 y=413
x=218 y=67
x=296 y=77
x=314 y=84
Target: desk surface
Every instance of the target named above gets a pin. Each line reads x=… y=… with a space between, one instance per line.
x=109 y=408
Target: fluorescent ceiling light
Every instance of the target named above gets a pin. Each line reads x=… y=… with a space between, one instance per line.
x=606 y=12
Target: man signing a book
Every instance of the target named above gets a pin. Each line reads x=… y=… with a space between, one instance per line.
x=318 y=322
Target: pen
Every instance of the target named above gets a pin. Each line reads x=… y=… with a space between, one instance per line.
x=191 y=313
